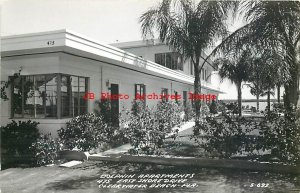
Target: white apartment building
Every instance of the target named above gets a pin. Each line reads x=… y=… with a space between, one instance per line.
x=59 y=67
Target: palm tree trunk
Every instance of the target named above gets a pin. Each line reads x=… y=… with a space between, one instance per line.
x=257 y=101
x=268 y=101
x=197 y=90
x=278 y=93
x=239 y=89
x=291 y=89
x=257 y=96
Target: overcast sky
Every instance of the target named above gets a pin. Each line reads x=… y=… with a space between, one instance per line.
x=107 y=21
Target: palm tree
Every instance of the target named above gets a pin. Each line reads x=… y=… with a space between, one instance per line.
x=234 y=66
x=273 y=24
x=188 y=28
x=266 y=72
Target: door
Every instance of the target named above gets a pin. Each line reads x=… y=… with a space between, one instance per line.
x=114 y=89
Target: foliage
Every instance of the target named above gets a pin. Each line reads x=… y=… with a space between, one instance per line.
x=204 y=109
x=137 y=107
x=235 y=67
x=273 y=25
x=188 y=111
x=5 y=84
x=221 y=107
x=232 y=108
x=147 y=129
x=85 y=132
x=168 y=114
x=213 y=108
x=281 y=134
x=180 y=25
x=16 y=138
x=104 y=110
x=227 y=135
x=45 y=150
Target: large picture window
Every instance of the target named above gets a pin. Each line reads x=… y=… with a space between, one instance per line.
x=48 y=96
x=172 y=60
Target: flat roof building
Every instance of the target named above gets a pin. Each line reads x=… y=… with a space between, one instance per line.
x=58 y=69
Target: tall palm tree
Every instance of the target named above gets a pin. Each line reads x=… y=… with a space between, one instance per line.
x=235 y=67
x=267 y=71
x=188 y=28
x=273 y=24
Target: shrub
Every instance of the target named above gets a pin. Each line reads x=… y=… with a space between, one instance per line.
x=204 y=109
x=168 y=114
x=233 y=108
x=104 y=110
x=45 y=150
x=116 y=134
x=213 y=107
x=85 y=132
x=147 y=129
x=281 y=134
x=226 y=135
x=16 y=139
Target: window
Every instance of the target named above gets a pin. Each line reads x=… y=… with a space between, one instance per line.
x=172 y=60
x=73 y=89
x=37 y=96
x=140 y=92
x=164 y=94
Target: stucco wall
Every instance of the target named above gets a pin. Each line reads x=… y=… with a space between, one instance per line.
x=100 y=74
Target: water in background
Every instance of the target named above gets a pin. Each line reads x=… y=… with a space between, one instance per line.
x=262 y=105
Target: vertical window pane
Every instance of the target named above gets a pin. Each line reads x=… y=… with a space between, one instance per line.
x=28 y=94
x=17 y=97
x=82 y=90
x=75 y=95
x=50 y=95
x=169 y=60
x=39 y=96
x=65 y=96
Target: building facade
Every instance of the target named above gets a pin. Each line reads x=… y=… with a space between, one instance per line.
x=63 y=73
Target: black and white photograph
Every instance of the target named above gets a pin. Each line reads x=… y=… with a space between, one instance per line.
x=150 y=96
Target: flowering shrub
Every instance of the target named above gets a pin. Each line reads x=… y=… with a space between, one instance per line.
x=281 y=134
x=147 y=128
x=86 y=132
x=16 y=138
x=213 y=108
x=104 y=110
x=227 y=135
x=204 y=109
x=168 y=114
x=45 y=150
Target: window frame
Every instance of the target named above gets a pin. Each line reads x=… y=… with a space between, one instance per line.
x=162 y=58
x=58 y=96
x=164 y=92
x=142 y=87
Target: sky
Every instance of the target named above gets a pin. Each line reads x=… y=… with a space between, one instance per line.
x=107 y=21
